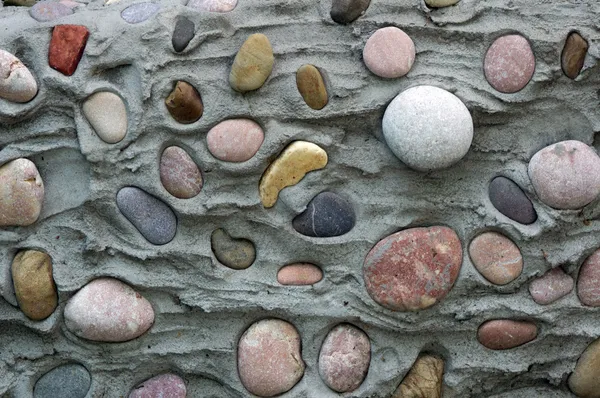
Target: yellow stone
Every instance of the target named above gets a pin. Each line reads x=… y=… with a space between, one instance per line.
x=585 y=379
x=34 y=285
x=297 y=159
x=311 y=86
x=424 y=380
x=252 y=64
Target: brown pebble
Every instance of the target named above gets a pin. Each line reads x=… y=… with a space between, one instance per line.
x=496 y=257
x=573 y=55
x=184 y=103
x=502 y=334
x=311 y=86
x=424 y=380
x=34 y=285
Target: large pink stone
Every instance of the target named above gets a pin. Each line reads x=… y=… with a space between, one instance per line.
x=235 y=140
x=413 y=269
x=21 y=193
x=551 y=286
x=389 y=53
x=299 y=274
x=509 y=63
x=179 y=174
x=502 y=334
x=588 y=283
x=162 y=386
x=496 y=257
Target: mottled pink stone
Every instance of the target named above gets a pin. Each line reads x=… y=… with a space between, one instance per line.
x=588 y=283
x=235 y=140
x=180 y=176
x=21 y=193
x=389 y=53
x=551 y=286
x=299 y=274
x=496 y=257
x=502 y=334
x=162 y=386
x=509 y=63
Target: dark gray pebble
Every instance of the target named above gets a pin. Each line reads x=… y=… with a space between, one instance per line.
x=183 y=33
x=327 y=214
x=235 y=253
x=510 y=200
x=346 y=11
x=67 y=381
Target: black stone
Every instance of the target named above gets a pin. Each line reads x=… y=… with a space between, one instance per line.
x=183 y=33
x=346 y=11
x=68 y=381
x=327 y=215
x=510 y=200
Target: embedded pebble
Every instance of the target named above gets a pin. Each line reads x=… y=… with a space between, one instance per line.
x=573 y=55
x=179 y=174
x=424 y=379
x=551 y=286
x=235 y=140
x=184 y=103
x=440 y=3
x=389 y=53
x=161 y=386
x=21 y=193
x=588 y=282
x=213 y=5
x=566 y=175
x=66 y=47
x=413 y=269
x=347 y=11
x=345 y=358
x=107 y=114
x=269 y=358
x=252 y=64
x=509 y=199
x=184 y=32
x=17 y=84
x=509 y=63
x=299 y=274
x=496 y=257
x=297 y=159
x=428 y=128
x=327 y=215
x=71 y=380
x=311 y=86
x=140 y=12
x=236 y=253
x=502 y=334
x=45 y=11
x=585 y=379
x=34 y=285
x=108 y=310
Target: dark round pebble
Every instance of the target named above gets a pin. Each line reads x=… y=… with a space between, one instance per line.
x=509 y=199
x=327 y=215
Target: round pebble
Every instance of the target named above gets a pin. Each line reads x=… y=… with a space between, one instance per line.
x=299 y=274
x=509 y=199
x=21 y=193
x=34 y=285
x=551 y=286
x=236 y=253
x=235 y=140
x=389 y=53
x=107 y=115
x=588 y=282
x=585 y=379
x=179 y=174
x=17 y=84
x=509 y=63
x=573 y=55
x=184 y=32
x=66 y=47
x=502 y=334
x=327 y=215
x=184 y=103
x=140 y=12
x=311 y=86
x=496 y=257
x=347 y=11
x=428 y=128
x=566 y=175
x=252 y=64
x=213 y=5
x=161 y=386
x=45 y=11
x=71 y=380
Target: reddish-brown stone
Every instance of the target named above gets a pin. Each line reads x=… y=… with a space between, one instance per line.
x=299 y=274
x=502 y=334
x=588 y=283
x=66 y=47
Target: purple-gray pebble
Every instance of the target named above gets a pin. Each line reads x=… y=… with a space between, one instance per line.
x=139 y=12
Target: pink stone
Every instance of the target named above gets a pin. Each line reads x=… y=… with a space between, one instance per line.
x=235 y=140
x=496 y=257
x=299 y=274
x=213 y=5
x=269 y=358
x=551 y=286
x=108 y=310
x=413 y=269
x=588 y=283
x=389 y=53
x=344 y=358
x=21 y=193
x=566 y=175
x=502 y=334
x=180 y=176
x=509 y=63
x=162 y=386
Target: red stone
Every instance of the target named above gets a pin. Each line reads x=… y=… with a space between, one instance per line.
x=502 y=334
x=66 y=47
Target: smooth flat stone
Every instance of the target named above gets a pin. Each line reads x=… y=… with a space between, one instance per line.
x=235 y=140
x=566 y=175
x=140 y=12
x=17 y=84
x=213 y=5
x=236 y=253
x=252 y=64
x=72 y=381
x=588 y=281
x=440 y=3
x=149 y=215
x=509 y=199
x=108 y=310
x=503 y=334
x=299 y=274
x=509 y=63
x=179 y=174
x=269 y=358
x=292 y=164
x=312 y=87
x=496 y=258
x=389 y=53
x=161 y=386
x=344 y=358
x=184 y=32
x=184 y=103
x=45 y=11
x=413 y=269
x=424 y=379
x=34 y=285
x=551 y=286
x=573 y=55
x=327 y=215
x=21 y=193
x=585 y=379
x=347 y=11
x=428 y=128
x=107 y=115
x=66 y=47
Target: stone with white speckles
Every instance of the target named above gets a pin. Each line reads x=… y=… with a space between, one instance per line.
x=389 y=53
x=588 y=282
x=161 y=386
x=235 y=140
x=509 y=63
x=21 y=193
x=17 y=84
x=179 y=173
x=496 y=257
x=503 y=334
x=551 y=286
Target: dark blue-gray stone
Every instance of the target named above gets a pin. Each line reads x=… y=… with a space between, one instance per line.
x=151 y=216
x=45 y=11
x=65 y=381
x=509 y=199
x=183 y=33
x=139 y=12
x=327 y=215
x=346 y=11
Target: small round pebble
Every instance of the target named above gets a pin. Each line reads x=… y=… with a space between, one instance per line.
x=179 y=174
x=502 y=334
x=311 y=86
x=34 y=284
x=585 y=379
x=71 y=380
x=184 y=103
x=140 y=12
x=588 y=282
x=252 y=64
x=161 y=386
x=17 y=84
x=496 y=257
x=45 y=11
x=509 y=199
x=235 y=140
x=236 y=253
x=327 y=215
x=347 y=11
x=551 y=286
x=389 y=53
x=509 y=63
x=184 y=32
x=299 y=274
x=107 y=115
x=21 y=193
x=213 y=5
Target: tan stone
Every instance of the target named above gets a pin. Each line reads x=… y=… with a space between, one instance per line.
x=424 y=380
x=252 y=64
x=34 y=285
x=585 y=379
x=184 y=103
x=573 y=55
x=441 y=3
x=311 y=86
x=21 y=193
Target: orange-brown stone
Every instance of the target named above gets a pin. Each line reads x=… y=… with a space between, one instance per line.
x=66 y=47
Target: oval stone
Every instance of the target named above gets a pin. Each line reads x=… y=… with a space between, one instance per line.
x=66 y=47
x=585 y=379
x=140 y=12
x=509 y=199
x=72 y=381
x=107 y=115
x=108 y=310
x=428 y=128
x=566 y=175
x=509 y=63
x=252 y=64
x=184 y=32
x=17 y=84
x=149 y=215
x=21 y=193
x=345 y=358
x=424 y=379
x=573 y=55
x=502 y=334
x=327 y=215
x=184 y=103
x=551 y=286
x=45 y=11
x=269 y=358
x=413 y=269
x=496 y=258
x=389 y=53
x=311 y=86
x=588 y=282
x=440 y=3
x=179 y=174
x=299 y=274
x=346 y=11
x=213 y=5
x=236 y=253
x=235 y=140
x=165 y=385
x=34 y=285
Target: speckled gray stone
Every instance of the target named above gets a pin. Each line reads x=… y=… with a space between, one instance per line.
x=139 y=12
x=65 y=381
x=182 y=35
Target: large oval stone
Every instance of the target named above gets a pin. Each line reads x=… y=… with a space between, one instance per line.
x=236 y=253
x=184 y=103
x=269 y=358
x=588 y=282
x=299 y=274
x=34 y=285
x=509 y=63
x=327 y=215
x=389 y=53
x=17 y=84
x=424 y=379
x=585 y=379
x=252 y=64
x=345 y=358
x=440 y=3
x=346 y=11
x=179 y=173
x=21 y=193
x=566 y=175
x=161 y=386
x=107 y=115
x=551 y=286
x=139 y=12
x=311 y=86
x=45 y=11
x=184 y=32
x=502 y=334
x=108 y=310
x=66 y=47
x=235 y=140
x=213 y=5
x=509 y=199
x=496 y=257
x=573 y=55
x=72 y=381
x=413 y=269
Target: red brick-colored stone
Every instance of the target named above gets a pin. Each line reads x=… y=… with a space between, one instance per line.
x=66 y=47
x=502 y=334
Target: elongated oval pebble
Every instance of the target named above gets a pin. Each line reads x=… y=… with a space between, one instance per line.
x=71 y=380
x=213 y=5
x=503 y=334
x=441 y=3
x=551 y=286
x=21 y=193
x=45 y=11
x=509 y=199
x=235 y=140
x=179 y=174
x=107 y=114
x=347 y=11
x=585 y=379
x=161 y=386
x=496 y=257
x=509 y=63
x=139 y=12
x=17 y=84
x=588 y=282
x=34 y=285
x=328 y=214
x=184 y=103
x=252 y=64
x=311 y=86
x=236 y=253
x=573 y=55
x=299 y=274
x=183 y=33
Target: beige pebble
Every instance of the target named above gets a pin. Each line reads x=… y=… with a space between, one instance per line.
x=107 y=114
x=17 y=84
x=585 y=379
x=311 y=86
x=21 y=193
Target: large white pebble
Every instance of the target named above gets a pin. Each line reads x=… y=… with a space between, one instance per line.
x=17 y=84
x=107 y=114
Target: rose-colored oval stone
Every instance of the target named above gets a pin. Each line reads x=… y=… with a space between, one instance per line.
x=179 y=174
x=162 y=386
x=502 y=334
x=389 y=53
x=235 y=140
x=21 y=193
x=269 y=358
x=588 y=282
x=345 y=358
x=299 y=274
x=509 y=63
x=108 y=310
x=566 y=175
x=496 y=257
x=17 y=84
x=413 y=269
x=551 y=286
